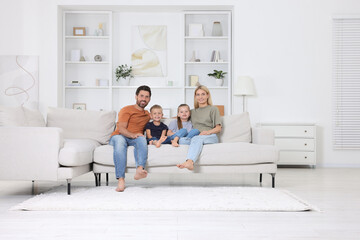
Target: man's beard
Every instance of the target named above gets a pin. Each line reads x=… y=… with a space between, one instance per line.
x=141 y=104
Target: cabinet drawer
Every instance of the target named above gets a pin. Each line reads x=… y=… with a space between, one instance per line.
x=295 y=144
x=306 y=158
x=293 y=131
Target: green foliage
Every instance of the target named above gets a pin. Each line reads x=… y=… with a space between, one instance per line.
x=217 y=74
x=123 y=71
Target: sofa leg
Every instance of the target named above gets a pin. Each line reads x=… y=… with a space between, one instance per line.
x=260 y=177
x=107 y=179
x=68 y=186
x=96 y=179
x=99 y=180
x=273 y=179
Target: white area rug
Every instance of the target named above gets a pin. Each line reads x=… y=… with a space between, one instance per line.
x=166 y=199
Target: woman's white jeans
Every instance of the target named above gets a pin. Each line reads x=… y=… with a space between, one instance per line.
x=196 y=144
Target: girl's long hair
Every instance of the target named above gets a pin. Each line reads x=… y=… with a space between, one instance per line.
x=209 y=101
x=179 y=122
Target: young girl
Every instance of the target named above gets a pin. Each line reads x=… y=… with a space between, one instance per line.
x=182 y=123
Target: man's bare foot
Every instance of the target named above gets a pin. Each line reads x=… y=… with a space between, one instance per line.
x=160 y=141
x=189 y=164
x=121 y=185
x=174 y=143
x=140 y=173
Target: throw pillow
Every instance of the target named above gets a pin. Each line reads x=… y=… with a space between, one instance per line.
x=96 y=125
x=34 y=118
x=12 y=116
x=236 y=128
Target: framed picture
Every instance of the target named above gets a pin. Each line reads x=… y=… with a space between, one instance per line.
x=166 y=112
x=79 y=31
x=79 y=106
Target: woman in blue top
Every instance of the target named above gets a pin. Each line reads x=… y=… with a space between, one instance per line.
x=205 y=118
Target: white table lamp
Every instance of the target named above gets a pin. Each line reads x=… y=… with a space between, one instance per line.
x=244 y=86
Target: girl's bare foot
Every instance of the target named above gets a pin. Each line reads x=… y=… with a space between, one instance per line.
x=174 y=143
x=160 y=141
x=121 y=185
x=140 y=173
x=189 y=164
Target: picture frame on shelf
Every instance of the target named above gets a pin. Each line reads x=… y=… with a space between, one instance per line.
x=79 y=31
x=79 y=106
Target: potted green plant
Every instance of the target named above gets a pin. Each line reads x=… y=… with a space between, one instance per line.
x=219 y=77
x=125 y=72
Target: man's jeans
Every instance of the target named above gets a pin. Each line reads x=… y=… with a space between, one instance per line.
x=196 y=144
x=120 y=144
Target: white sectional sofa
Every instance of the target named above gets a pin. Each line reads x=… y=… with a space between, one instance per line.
x=74 y=142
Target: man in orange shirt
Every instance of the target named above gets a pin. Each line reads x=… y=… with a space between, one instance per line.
x=130 y=132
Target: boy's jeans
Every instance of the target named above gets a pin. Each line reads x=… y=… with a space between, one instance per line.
x=196 y=144
x=120 y=144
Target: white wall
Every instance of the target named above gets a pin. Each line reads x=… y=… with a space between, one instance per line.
x=285 y=45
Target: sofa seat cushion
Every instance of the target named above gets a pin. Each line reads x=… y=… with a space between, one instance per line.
x=213 y=154
x=77 y=152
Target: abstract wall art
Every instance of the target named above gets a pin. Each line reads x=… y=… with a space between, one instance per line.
x=149 y=54
x=19 y=80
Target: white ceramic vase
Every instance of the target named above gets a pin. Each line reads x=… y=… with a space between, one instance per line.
x=219 y=82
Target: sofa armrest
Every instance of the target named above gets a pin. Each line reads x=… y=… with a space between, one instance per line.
x=30 y=153
x=263 y=136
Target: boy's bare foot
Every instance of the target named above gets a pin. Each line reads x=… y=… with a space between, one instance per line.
x=121 y=185
x=189 y=164
x=140 y=173
x=174 y=143
x=151 y=142
x=160 y=141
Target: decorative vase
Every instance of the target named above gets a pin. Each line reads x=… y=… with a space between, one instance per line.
x=219 y=82
x=125 y=81
x=100 y=31
x=217 y=30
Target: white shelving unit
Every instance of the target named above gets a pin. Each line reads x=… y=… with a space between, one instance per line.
x=117 y=94
x=86 y=72
x=203 y=47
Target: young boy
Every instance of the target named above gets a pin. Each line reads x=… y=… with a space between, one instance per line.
x=156 y=130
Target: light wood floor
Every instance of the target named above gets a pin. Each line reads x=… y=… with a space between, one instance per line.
x=335 y=191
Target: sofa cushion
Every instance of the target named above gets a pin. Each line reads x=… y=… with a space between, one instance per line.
x=95 y=125
x=20 y=117
x=77 y=152
x=235 y=128
x=236 y=153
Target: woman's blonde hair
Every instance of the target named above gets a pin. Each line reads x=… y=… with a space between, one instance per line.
x=179 y=122
x=209 y=101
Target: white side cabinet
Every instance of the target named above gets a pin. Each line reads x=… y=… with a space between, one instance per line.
x=296 y=142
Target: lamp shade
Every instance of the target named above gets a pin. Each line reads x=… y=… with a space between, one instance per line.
x=244 y=86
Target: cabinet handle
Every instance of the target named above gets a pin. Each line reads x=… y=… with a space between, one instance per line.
x=305 y=131
x=305 y=157
x=305 y=144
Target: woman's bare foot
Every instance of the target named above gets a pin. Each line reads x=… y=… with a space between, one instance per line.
x=160 y=141
x=189 y=164
x=121 y=185
x=140 y=173
x=174 y=142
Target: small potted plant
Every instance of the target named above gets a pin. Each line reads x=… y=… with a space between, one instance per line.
x=219 y=77
x=124 y=71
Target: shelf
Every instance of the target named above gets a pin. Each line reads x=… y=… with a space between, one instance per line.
x=208 y=87
x=205 y=63
x=87 y=37
x=209 y=37
x=152 y=87
x=86 y=87
x=86 y=62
